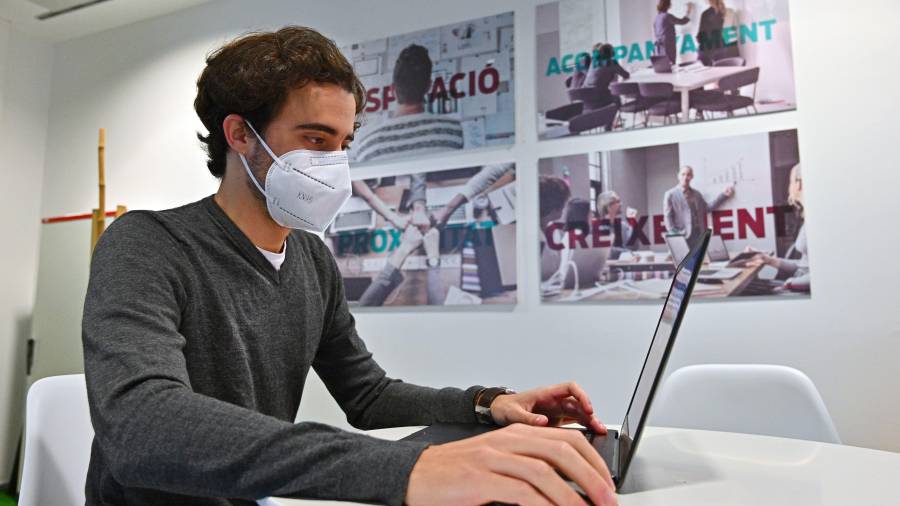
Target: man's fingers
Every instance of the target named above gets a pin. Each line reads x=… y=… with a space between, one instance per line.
x=522 y=415
x=568 y=451
x=543 y=479
x=574 y=390
x=584 y=447
x=573 y=411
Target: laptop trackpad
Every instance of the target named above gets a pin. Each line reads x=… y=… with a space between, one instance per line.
x=441 y=433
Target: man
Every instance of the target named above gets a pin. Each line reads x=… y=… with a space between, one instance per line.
x=410 y=130
x=202 y=322
x=685 y=209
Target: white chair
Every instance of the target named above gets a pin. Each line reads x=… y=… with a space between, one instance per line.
x=761 y=399
x=58 y=436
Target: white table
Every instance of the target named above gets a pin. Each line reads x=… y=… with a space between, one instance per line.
x=677 y=466
x=685 y=79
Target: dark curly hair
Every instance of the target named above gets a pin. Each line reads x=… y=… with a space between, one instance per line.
x=253 y=74
x=412 y=75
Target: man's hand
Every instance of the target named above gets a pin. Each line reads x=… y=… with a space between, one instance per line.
x=432 y=242
x=419 y=217
x=763 y=259
x=729 y=191
x=548 y=406
x=514 y=465
x=409 y=242
x=399 y=221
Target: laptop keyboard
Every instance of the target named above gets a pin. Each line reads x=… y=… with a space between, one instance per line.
x=607 y=446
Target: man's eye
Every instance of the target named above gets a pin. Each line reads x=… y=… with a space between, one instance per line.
x=346 y=147
x=316 y=140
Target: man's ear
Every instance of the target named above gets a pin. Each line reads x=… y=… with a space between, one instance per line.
x=237 y=134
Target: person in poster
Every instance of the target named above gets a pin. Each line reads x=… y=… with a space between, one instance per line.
x=794 y=266
x=685 y=208
x=410 y=130
x=436 y=90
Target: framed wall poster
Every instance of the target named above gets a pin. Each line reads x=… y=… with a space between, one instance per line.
x=445 y=237
x=614 y=65
x=436 y=90
x=616 y=223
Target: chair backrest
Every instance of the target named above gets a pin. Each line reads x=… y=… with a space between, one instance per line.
x=770 y=400
x=592 y=97
x=58 y=437
x=656 y=90
x=737 y=81
x=628 y=90
x=600 y=118
x=734 y=61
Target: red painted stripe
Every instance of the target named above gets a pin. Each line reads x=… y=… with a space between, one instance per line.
x=74 y=217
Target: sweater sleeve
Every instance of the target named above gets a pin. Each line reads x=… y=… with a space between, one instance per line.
x=365 y=393
x=155 y=432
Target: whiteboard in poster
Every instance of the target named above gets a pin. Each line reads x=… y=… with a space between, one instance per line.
x=743 y=161
x=470 y=37
x=362 y=50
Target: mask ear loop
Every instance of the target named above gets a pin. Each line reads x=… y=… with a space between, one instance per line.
x=264 y=145
x=247 y=166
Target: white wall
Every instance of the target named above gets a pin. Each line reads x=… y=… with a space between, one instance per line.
x=138 y=82
x=23 y=129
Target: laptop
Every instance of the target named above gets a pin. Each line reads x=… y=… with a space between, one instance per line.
x=618 y=447
x=679 y=248
x=720 y=257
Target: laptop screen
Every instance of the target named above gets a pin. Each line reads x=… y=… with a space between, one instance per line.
x=657 y=354
x=717 y=251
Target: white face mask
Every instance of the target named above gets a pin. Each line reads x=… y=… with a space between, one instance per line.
x=304 y=189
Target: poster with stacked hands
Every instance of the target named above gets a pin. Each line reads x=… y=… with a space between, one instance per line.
x=443 y=237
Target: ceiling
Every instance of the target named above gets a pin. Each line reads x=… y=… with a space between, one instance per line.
x=92 y=19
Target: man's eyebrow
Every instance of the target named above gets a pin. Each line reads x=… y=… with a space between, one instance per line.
x=321 y=128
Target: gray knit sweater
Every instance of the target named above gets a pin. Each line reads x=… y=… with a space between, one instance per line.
x=196 y=351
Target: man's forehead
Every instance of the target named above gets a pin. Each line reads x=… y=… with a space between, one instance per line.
x=323 y=104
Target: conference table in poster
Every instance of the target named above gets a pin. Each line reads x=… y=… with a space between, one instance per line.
x=684 y=80
x=694 y=467
x=654 y=288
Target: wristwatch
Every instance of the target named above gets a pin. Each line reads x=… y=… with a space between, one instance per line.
x=434 y=262
x=483 y=400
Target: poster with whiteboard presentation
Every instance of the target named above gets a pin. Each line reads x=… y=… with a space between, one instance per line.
x=615 y=224
x=437 y=90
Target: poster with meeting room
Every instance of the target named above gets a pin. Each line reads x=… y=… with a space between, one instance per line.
x=615 y=224
x=613 y=65
x=437 y=238
x=437 y=90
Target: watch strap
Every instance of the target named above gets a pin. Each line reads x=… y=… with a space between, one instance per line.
x=483 y=400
